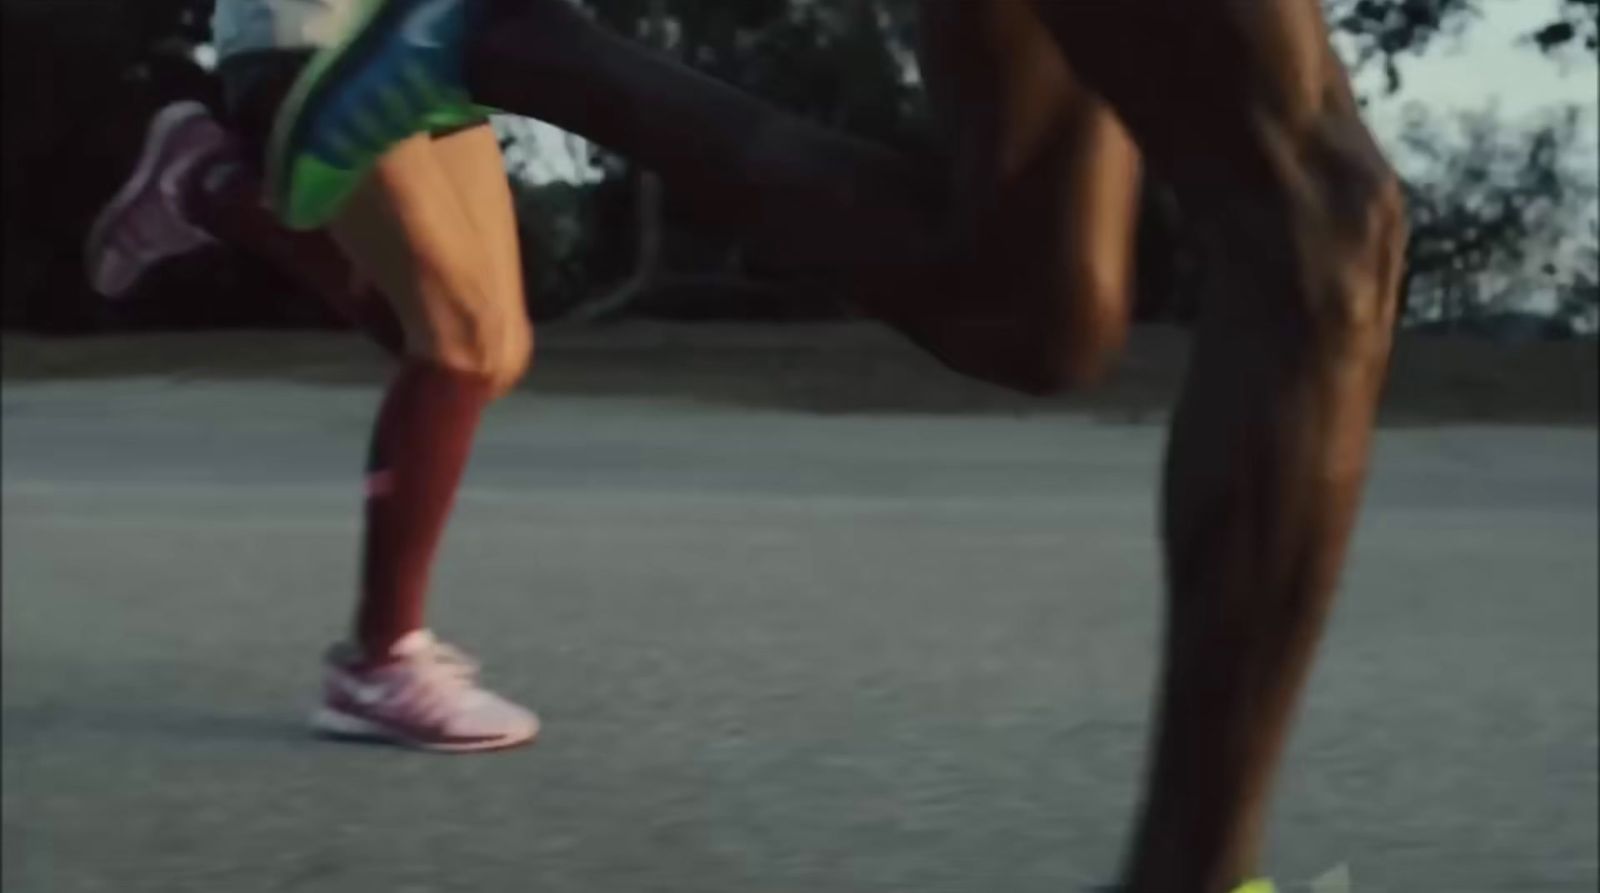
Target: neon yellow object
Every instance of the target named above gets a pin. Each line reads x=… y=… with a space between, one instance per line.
x=322 y=190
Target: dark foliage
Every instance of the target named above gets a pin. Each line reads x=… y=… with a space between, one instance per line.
x=81 y=78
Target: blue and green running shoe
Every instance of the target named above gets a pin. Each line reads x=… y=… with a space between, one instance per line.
x=400 y=71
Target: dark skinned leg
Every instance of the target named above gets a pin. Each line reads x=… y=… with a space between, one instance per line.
x=1243 y=107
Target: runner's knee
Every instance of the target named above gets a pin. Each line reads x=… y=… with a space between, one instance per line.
x=497 y=347
x=518 y=356
x=476 y=332
x=1350 y=239
x=1311 y=242
x=1377 y=238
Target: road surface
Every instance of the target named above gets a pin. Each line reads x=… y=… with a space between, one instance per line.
x=775 y=652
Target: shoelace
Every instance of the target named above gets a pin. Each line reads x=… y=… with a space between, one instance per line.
x=435 y=680
x=454 y=659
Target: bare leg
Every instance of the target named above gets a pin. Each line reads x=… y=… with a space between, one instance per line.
x=1045 y=185
x=433 y=229
x=1244 y=107
x=471 y=162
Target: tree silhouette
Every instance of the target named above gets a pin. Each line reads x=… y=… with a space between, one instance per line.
x=1497 y=215
x=81 y=78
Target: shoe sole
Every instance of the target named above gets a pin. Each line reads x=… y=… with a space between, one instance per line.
x=161 y=129
x=332 y=723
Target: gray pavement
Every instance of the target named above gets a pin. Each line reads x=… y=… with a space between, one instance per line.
x=775 y=652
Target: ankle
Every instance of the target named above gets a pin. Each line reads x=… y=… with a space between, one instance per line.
x=371 y=648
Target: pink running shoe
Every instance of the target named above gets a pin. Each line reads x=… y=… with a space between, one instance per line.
x=424 y=696
x=145 y=222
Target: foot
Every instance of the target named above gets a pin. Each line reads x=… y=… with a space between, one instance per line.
x=422 y=694
x=145 y=222
x=399 y=72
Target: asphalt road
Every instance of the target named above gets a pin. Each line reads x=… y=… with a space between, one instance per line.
x=775 y=652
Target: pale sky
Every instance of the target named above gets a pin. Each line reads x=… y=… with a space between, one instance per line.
x=1489 y=61
x=1488 y=64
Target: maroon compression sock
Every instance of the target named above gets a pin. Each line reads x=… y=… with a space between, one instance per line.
x=419 y=450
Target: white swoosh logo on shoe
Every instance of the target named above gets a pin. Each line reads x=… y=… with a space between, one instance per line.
x=367 y=695
x=362 y=693
x=422 y=26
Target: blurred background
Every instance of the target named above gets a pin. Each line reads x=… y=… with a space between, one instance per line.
x=802 y=609
x=1487 y=106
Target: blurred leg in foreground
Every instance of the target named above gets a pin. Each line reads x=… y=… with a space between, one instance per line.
x=1244 y=107
x=1011 y=266
x=1246 y=110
